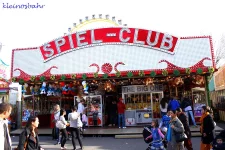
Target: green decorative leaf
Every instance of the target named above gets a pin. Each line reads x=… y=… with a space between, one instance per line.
x=211 y=69
x=141 y=73
x=84 y=76
x=188 y=70
x=42 y=78
x=21 y=81
x=165 y=72
x=129 y=74
x=32 y=78
x=95 y=75
x=118 y=74
x=63 y=77
x=73 y=76
x=153 y=74
x=105 y=76
x=199 y=71
x=176 y=72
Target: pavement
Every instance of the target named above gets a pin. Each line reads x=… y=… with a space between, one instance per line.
x=105 y=142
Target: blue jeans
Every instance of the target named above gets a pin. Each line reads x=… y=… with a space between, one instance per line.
x=57 y=131
x=121 y=117
x=192 y=117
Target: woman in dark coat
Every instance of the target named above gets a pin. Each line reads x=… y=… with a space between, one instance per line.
x=207 y=129
x=28 y=139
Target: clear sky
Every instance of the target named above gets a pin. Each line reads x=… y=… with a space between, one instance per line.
x=22 y=28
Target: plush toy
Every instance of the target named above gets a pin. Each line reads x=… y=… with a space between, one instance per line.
x=53 y=90
x=26 y=115
x=43 y=88
x=85 y=87
x=36 y=90
x=23 y=90
x=66 y=90
x=32 y=90
x=57 y=90
x=49 y=92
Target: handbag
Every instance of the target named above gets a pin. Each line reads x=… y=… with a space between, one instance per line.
x=59 y=124
x=180 y=137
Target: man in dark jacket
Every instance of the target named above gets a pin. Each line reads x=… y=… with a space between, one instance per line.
x=183 y=118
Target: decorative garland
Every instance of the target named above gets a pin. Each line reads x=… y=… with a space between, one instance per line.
x=129 y=74
x=164 y=72
x=84 y=76
x=52 y=77
x=73 y=76
x=63 y=77
x=105 y=76
x=211 y=69
x=95 y=74
x=176 y=72
x=42 y=78
x=153 y=74
x=141 y=73
x=32 y=78
x=188 y=70
x=13 y=79
x=118 y=74
x=199 y=71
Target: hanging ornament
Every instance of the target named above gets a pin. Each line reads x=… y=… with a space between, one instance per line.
x=129 y=74
x=176 y=72
x=105 y=76
x=73 y=76
x=199 y=71
x=210 y=69
x=13 y=79
x=118 y=74
x=21 y=81
x=63 y=77
x=108 y=86
x=188 y=70
x=32 y=78
x=153 y=74
x=141 y=73
x=42 y=78
x=84 y=76
x=52 y=77
x=164 y=72
x=95 y=75
x=148 y=81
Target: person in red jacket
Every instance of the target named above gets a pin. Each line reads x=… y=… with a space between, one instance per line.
x=121 y=109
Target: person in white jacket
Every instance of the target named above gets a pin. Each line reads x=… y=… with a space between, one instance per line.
x=75 y=125
x=63 y=130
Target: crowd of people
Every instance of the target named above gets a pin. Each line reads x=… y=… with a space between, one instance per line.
x=174 y=128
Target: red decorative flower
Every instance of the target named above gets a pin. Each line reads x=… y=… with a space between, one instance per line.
x=107 y=68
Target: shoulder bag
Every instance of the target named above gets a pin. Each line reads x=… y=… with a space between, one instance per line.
x=180 y=137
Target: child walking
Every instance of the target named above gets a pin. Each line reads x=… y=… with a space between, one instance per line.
x=157 y=137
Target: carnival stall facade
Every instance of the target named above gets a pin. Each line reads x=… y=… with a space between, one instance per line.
x=140 y=65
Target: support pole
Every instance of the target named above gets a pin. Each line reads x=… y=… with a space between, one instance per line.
x=207 y=91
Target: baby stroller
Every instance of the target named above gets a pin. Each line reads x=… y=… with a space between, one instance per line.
x=219 y=141
x=147 y=132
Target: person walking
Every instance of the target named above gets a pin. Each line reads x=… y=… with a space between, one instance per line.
x=207 y=129
x=173 y=104
x=56 y=118
x=28 y=139
x=5 y=140
x=121 y=110
x=63 y=130
x=165 y=121
x=74 y=119
x=163 y=106
x=175 y=127
x=184 y=119
x=186 y=105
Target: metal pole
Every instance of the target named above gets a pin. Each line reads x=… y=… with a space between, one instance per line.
x=207 y=91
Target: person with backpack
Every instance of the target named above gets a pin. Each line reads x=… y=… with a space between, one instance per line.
x=75 y=124
x=28 y=139
x=173 y=104
x=5 y=140
x=186 y=106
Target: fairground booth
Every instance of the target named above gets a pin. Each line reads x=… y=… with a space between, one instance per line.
x=100 y=59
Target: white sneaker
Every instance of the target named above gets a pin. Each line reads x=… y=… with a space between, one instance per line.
x=124 y=127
